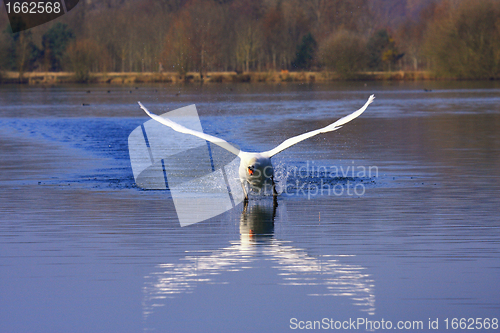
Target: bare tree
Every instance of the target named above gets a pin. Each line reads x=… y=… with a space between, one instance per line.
x=84 y=55
x=204 y=34
x=273 y=32
x=247 y=44
x=177 y=47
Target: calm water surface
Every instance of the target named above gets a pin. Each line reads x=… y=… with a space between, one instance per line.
x=82 y=249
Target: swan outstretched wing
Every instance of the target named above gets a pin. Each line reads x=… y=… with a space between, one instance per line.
x=179 y=128
x=332 y=127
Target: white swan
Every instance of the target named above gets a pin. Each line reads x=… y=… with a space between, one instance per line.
x=256 y=169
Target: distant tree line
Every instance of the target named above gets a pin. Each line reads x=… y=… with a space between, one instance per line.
x=454 y=38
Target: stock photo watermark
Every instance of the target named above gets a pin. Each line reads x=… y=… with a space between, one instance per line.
x=366 y=324
x=310 y=180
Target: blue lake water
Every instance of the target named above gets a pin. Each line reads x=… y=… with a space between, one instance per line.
x=83 y=249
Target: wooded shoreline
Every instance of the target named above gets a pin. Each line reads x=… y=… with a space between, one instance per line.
x=213 y=77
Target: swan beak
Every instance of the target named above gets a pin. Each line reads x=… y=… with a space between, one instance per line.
x=250 y=171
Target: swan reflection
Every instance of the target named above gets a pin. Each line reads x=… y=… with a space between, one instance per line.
x=257 y=242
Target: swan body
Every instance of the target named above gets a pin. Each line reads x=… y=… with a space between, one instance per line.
x=256 y=169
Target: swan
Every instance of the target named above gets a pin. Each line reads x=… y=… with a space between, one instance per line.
x=256 y=169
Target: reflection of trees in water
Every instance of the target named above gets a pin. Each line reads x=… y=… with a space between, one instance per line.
x=294 y=265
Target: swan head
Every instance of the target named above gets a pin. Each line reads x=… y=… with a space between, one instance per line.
x=253 y=165
x=255 y=170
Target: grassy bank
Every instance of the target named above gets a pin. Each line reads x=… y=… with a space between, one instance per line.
x=222 y=77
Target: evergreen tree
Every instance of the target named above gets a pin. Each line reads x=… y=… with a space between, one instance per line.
x=305 y=53
x=382 y=49
x=54 y=43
